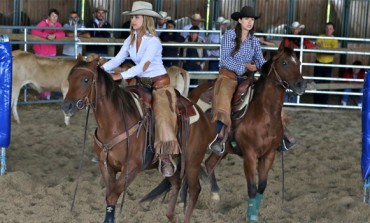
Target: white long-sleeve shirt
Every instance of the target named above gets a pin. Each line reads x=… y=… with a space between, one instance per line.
x=150 y=50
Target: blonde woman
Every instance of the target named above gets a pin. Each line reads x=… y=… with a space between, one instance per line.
x=145 y=50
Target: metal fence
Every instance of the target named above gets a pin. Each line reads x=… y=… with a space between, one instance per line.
x=334 y=89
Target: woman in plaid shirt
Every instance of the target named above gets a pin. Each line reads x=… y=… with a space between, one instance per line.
x=240 y=53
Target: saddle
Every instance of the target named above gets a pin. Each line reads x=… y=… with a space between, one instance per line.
x=240 y=99
x=184 y=107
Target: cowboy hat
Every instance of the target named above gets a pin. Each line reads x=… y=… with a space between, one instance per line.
x=246 y=11
x=142 y=8
x=221 y=20
x=197 y=17
x=296 y=25
x=100 y=8
x=163 y=14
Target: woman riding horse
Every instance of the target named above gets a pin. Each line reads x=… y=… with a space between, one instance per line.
x=241 y=53
x=145 y=50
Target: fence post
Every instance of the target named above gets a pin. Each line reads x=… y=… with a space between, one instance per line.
x=5 y=98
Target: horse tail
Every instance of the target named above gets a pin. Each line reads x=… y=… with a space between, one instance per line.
x=163 y=187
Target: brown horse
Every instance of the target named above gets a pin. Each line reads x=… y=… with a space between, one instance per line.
x=256 y=136
x=121 y=136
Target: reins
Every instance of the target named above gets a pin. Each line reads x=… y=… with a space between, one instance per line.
x=81 y=159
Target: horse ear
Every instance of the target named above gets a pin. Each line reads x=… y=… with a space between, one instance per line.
x=95 y=62
x=80 y=57
x=281 y=47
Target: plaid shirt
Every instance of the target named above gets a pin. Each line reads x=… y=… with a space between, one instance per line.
x=250 y=51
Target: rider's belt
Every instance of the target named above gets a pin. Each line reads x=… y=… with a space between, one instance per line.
x=227 y=73
x=156 y=82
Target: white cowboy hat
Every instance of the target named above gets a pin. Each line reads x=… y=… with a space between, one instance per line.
x=296 y=24
x=100 y=8
x=163 y=14
x=142 y=8
x=222 y=20
x=197 y=17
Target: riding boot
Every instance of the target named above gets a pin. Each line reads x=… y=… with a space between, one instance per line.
x=288 y=141
x=218 y=143
x=166 y=165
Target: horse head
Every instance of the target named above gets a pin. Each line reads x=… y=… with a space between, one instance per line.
x=285 y=69
x=82 y=89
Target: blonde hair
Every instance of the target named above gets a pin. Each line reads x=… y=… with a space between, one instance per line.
x=148 y=26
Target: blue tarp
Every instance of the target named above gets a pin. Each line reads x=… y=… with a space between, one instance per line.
x=365 y=158
x=5 y=90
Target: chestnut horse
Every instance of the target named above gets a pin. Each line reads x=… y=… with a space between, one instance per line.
x=256 y=136
x=121 y=137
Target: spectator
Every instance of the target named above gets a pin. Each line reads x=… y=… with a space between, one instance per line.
x=162 y=22
x=74 y=20
x=215 y=38
x=98 y=22
x=170 y=51
x=196 y=19
x=353 y=73
x=267 y=54
x=193 y=65
x=295 y=42
x=324 y=58
x=50 y=34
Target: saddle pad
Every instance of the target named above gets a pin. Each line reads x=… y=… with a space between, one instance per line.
x=195 y=117
x=137 y=102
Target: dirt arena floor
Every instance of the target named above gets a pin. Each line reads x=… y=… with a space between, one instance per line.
x=322 y=175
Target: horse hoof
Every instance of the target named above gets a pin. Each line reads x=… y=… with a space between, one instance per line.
x=215 y=196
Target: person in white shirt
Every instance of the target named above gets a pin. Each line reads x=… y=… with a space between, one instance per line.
x=145 y=50
x=74 y=20
x=196 y=19
x=215 y=38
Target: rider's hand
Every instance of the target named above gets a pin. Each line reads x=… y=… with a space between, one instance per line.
x=251 y=67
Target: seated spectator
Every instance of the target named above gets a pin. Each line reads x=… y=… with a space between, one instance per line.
x=170 y=51
x=193 y=65
x=97 y=22
x=74 y=20
x=162 y=22
x=353 y=73
x=295 y=42
x=196 y=19
x=215 y=38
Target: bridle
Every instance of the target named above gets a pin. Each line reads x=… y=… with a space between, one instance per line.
x=86 y=100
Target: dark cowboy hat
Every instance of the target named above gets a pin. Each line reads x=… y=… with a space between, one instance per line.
x=246 y=11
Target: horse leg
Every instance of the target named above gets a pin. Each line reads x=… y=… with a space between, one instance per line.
x=250 y=164
x=15 y=95
x=64 y=88
x=174 y=192
x=192 y=179
x=210 y=164
x=109 y=177
x=264 y=166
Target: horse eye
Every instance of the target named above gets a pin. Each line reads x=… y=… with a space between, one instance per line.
x=284 y=63
x=86 y=80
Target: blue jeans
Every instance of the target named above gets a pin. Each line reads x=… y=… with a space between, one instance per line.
x=290 y=98
x=345 y=97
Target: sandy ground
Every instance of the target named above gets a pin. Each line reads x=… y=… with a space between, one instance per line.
x=322 y=175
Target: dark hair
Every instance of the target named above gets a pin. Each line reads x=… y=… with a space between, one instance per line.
x=238 y=37
x=53 y=10
x=171 y=22
x=73 y=12
x=330 y=23
x=356 y=63
x=194 y=28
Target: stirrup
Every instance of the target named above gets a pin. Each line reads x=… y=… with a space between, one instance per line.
x=217 y=145
x=286 y=145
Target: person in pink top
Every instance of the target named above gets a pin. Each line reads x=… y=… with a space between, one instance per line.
x=50 y=34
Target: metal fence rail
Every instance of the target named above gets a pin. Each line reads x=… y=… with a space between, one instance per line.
x=331 y=89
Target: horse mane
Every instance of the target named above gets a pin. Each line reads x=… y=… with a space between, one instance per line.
x=121 y=99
